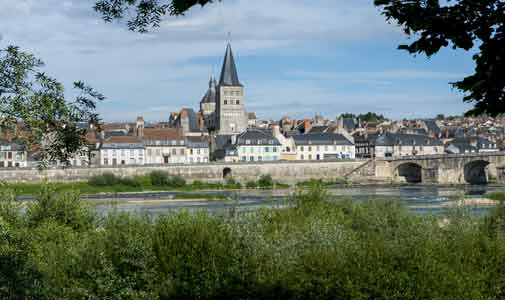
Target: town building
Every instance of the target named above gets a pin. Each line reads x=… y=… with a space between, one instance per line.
x=258 y=145
x=471 y=145
x=122 y=150
x=12 y=155
x=229 y=116
x=323 y=146
x=391 y=145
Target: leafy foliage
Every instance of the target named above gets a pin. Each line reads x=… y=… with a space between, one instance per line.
x=315 y=249
x=144 y=14
x=463 y=24
x=108 y=179
x=160 y=178
x=36 y=103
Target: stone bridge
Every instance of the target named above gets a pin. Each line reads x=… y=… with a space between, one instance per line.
x=475 y=168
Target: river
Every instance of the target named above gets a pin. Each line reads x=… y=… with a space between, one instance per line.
x=422 y=199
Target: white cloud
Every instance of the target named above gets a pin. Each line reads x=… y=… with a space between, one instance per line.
x=159 y=72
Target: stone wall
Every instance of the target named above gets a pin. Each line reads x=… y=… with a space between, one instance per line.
x=281 y=171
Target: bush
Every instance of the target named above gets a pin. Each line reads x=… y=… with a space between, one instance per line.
x=497 y=196
x=265 y=181
x=232 y=184
x=108 y=179
x=251 y=184
x=105 y=179
x=160 y=178
x=177 y=181
x=129 y=181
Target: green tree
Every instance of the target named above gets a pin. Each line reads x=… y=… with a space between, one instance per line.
x=35 y=103
x=461 y=24
x=144 y=14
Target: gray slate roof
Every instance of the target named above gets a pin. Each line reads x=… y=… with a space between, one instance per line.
x=211 y=95
x=257 y=137
x=197 y=142
x=394 y=139
x=229 y=75
x=321 y=139
x=13 y=146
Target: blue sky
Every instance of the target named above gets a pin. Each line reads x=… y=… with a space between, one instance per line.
x=295 y=57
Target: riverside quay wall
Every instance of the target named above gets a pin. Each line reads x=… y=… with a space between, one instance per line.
x=280 y=171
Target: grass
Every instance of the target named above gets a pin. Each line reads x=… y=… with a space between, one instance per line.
x=497 y=196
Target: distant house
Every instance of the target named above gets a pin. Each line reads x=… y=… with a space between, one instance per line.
x=258 y=145
x=197 y=149
x=323 y=146
x=471 y=145
x=164 y=146
x=122 y=150
x=365 y=145
x=12 y=155
x=398 y=145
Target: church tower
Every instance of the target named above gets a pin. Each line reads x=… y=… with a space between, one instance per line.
x=231 y=117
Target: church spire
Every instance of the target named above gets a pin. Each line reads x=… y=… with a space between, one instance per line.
x=229 y=76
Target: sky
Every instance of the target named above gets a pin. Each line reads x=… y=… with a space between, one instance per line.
x=294 y=57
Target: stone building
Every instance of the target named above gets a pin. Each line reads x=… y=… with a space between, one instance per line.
x=324 y=146
x=398 y=144
x=223 y=106
x=12 y=154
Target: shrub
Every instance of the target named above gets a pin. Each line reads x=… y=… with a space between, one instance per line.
x=159 y=178
x=129 y=181
x=177 y=181
x=265 y=181
x=251 y=184
x=232 y=184
x=497 y=196
x=105 y=179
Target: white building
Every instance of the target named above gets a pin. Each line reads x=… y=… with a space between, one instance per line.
x=12 y=155
x=164 y=146
x=257 y=145
x=400 y=144
x=323 y=146
x=122 y=150
x=197 y=150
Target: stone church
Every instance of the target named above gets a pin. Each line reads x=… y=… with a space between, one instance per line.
x=223 y=106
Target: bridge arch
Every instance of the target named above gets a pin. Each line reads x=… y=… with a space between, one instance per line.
x=412 y=172
x=227 y=173
x=475 y=172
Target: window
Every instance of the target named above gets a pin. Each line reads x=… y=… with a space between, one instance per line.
x=251 y=158
x=174 y=151
x=310 y=156
x=302 y=149
x=302 y=157
x=244 y=158
x=225 y=102
x=9 y=155
x=237 y=102
x=105 y=161
x=190 y=151
x=198 y=151
x=181 y=152
x=275 y=149
x=310 y=148
x=267 y=149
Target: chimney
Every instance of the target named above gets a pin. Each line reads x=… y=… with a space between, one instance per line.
x=233 y=139
x=276 y=131
x=306 y=125
x=139 y=129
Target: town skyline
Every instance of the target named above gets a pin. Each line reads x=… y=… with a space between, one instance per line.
x=350 y=65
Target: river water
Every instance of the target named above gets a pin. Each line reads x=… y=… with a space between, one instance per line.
x=422 y=199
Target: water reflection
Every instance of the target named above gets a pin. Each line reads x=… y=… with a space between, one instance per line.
x=419 y=199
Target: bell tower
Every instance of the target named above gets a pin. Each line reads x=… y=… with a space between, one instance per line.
x=231 y=117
